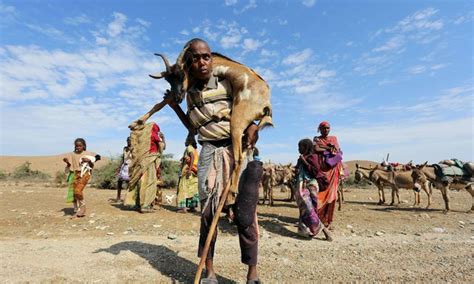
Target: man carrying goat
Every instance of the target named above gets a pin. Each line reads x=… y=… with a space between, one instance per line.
x=224 y=99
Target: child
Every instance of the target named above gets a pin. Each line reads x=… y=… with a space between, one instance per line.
x=76 y=180
x=308 y=178
x=123 y=173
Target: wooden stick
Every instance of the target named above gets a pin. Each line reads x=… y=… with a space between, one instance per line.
x=212 y=229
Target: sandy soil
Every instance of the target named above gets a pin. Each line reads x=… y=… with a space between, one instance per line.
x=41 y=243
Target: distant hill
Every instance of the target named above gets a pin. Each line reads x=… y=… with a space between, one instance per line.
x=46 y=164
x=363 y=163
x=51 y=164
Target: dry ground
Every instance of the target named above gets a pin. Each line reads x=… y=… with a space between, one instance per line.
x=41 y=243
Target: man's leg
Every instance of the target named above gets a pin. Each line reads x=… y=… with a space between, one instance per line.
x=248 y=239
x=119 y=189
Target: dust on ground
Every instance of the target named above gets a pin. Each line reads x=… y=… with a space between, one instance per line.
x=41 y=243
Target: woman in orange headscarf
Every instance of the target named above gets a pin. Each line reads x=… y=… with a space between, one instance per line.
x=330 y=157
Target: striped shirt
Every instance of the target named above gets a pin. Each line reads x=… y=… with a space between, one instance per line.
x=207 y=109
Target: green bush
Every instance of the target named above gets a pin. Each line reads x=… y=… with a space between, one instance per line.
x=60 y=178
x=169 y=171
x=105 y=177
x=3 y=175
x=350 y=181
x=24 y=172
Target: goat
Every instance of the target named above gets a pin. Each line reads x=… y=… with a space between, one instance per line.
x=85 y=167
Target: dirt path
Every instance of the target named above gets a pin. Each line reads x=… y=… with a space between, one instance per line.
x=41 y=243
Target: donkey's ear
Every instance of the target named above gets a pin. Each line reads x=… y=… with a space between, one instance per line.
x=424 y=165
x=357 y=165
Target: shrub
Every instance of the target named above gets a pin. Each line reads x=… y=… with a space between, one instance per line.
x=60 y=178
x=3 y=175
x=105 y=177
x=169 y=171
x=24 y=172
x=350 y=181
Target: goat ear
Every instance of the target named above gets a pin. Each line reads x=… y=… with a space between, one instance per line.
x=424 y=165
x=357 y=165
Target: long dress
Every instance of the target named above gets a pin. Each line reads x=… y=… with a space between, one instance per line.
x=146 y=160
x=306 y=193
x=188 y=194
x=327 y=195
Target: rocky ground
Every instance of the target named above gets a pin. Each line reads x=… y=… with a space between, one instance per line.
x=40 y=242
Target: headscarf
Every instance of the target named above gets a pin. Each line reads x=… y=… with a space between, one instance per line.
x=323 y=124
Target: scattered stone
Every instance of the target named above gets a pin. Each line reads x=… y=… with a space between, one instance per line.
x=425 y=215
x=110 y=234
x=404 y=201
x=349 y=227
x=126 y=232
x=156 y=226
x=462 y=223
x=91 y=221
x=73 y=225
x=278 y=244
x=438 y=230
x=92 y=215
x=461 y=226
x=417 y=234
x=378 y=234
x=40 y=233
x=172 y=236
x=24 y=213
x=101 y=227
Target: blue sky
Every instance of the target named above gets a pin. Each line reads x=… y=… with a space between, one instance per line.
x=391 y=76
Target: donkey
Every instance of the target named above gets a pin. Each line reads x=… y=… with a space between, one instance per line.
x=361 y=173
x=276 y=175
x=423 y=174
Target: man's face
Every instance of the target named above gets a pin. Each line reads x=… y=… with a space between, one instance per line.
x=201 y=66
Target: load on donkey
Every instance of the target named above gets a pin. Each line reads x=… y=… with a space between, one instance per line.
x=446 y=175
x=250 y=103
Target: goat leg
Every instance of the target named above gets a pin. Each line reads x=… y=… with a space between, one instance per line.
x=154 y=109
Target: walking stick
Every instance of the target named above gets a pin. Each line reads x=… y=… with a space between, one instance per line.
x=210 y=234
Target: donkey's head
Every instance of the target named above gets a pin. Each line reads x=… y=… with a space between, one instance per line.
x=418 y=176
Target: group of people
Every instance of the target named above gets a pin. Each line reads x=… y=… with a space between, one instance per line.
x=203 y=176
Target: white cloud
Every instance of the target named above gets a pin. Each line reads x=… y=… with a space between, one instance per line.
x=393 y=43
x=298 y=57
x=230 y=41
x=418 y=69
x=407 y=140
x=453 y=100
x=117 y=25
x=78 y=20
x=252 y=4
x=309 y=3
x=250 y=44
x=230 y=2
x=184 y=32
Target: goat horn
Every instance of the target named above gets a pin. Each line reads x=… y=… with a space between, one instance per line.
x=158 y=76
x=165 y=60
x=179 y=60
